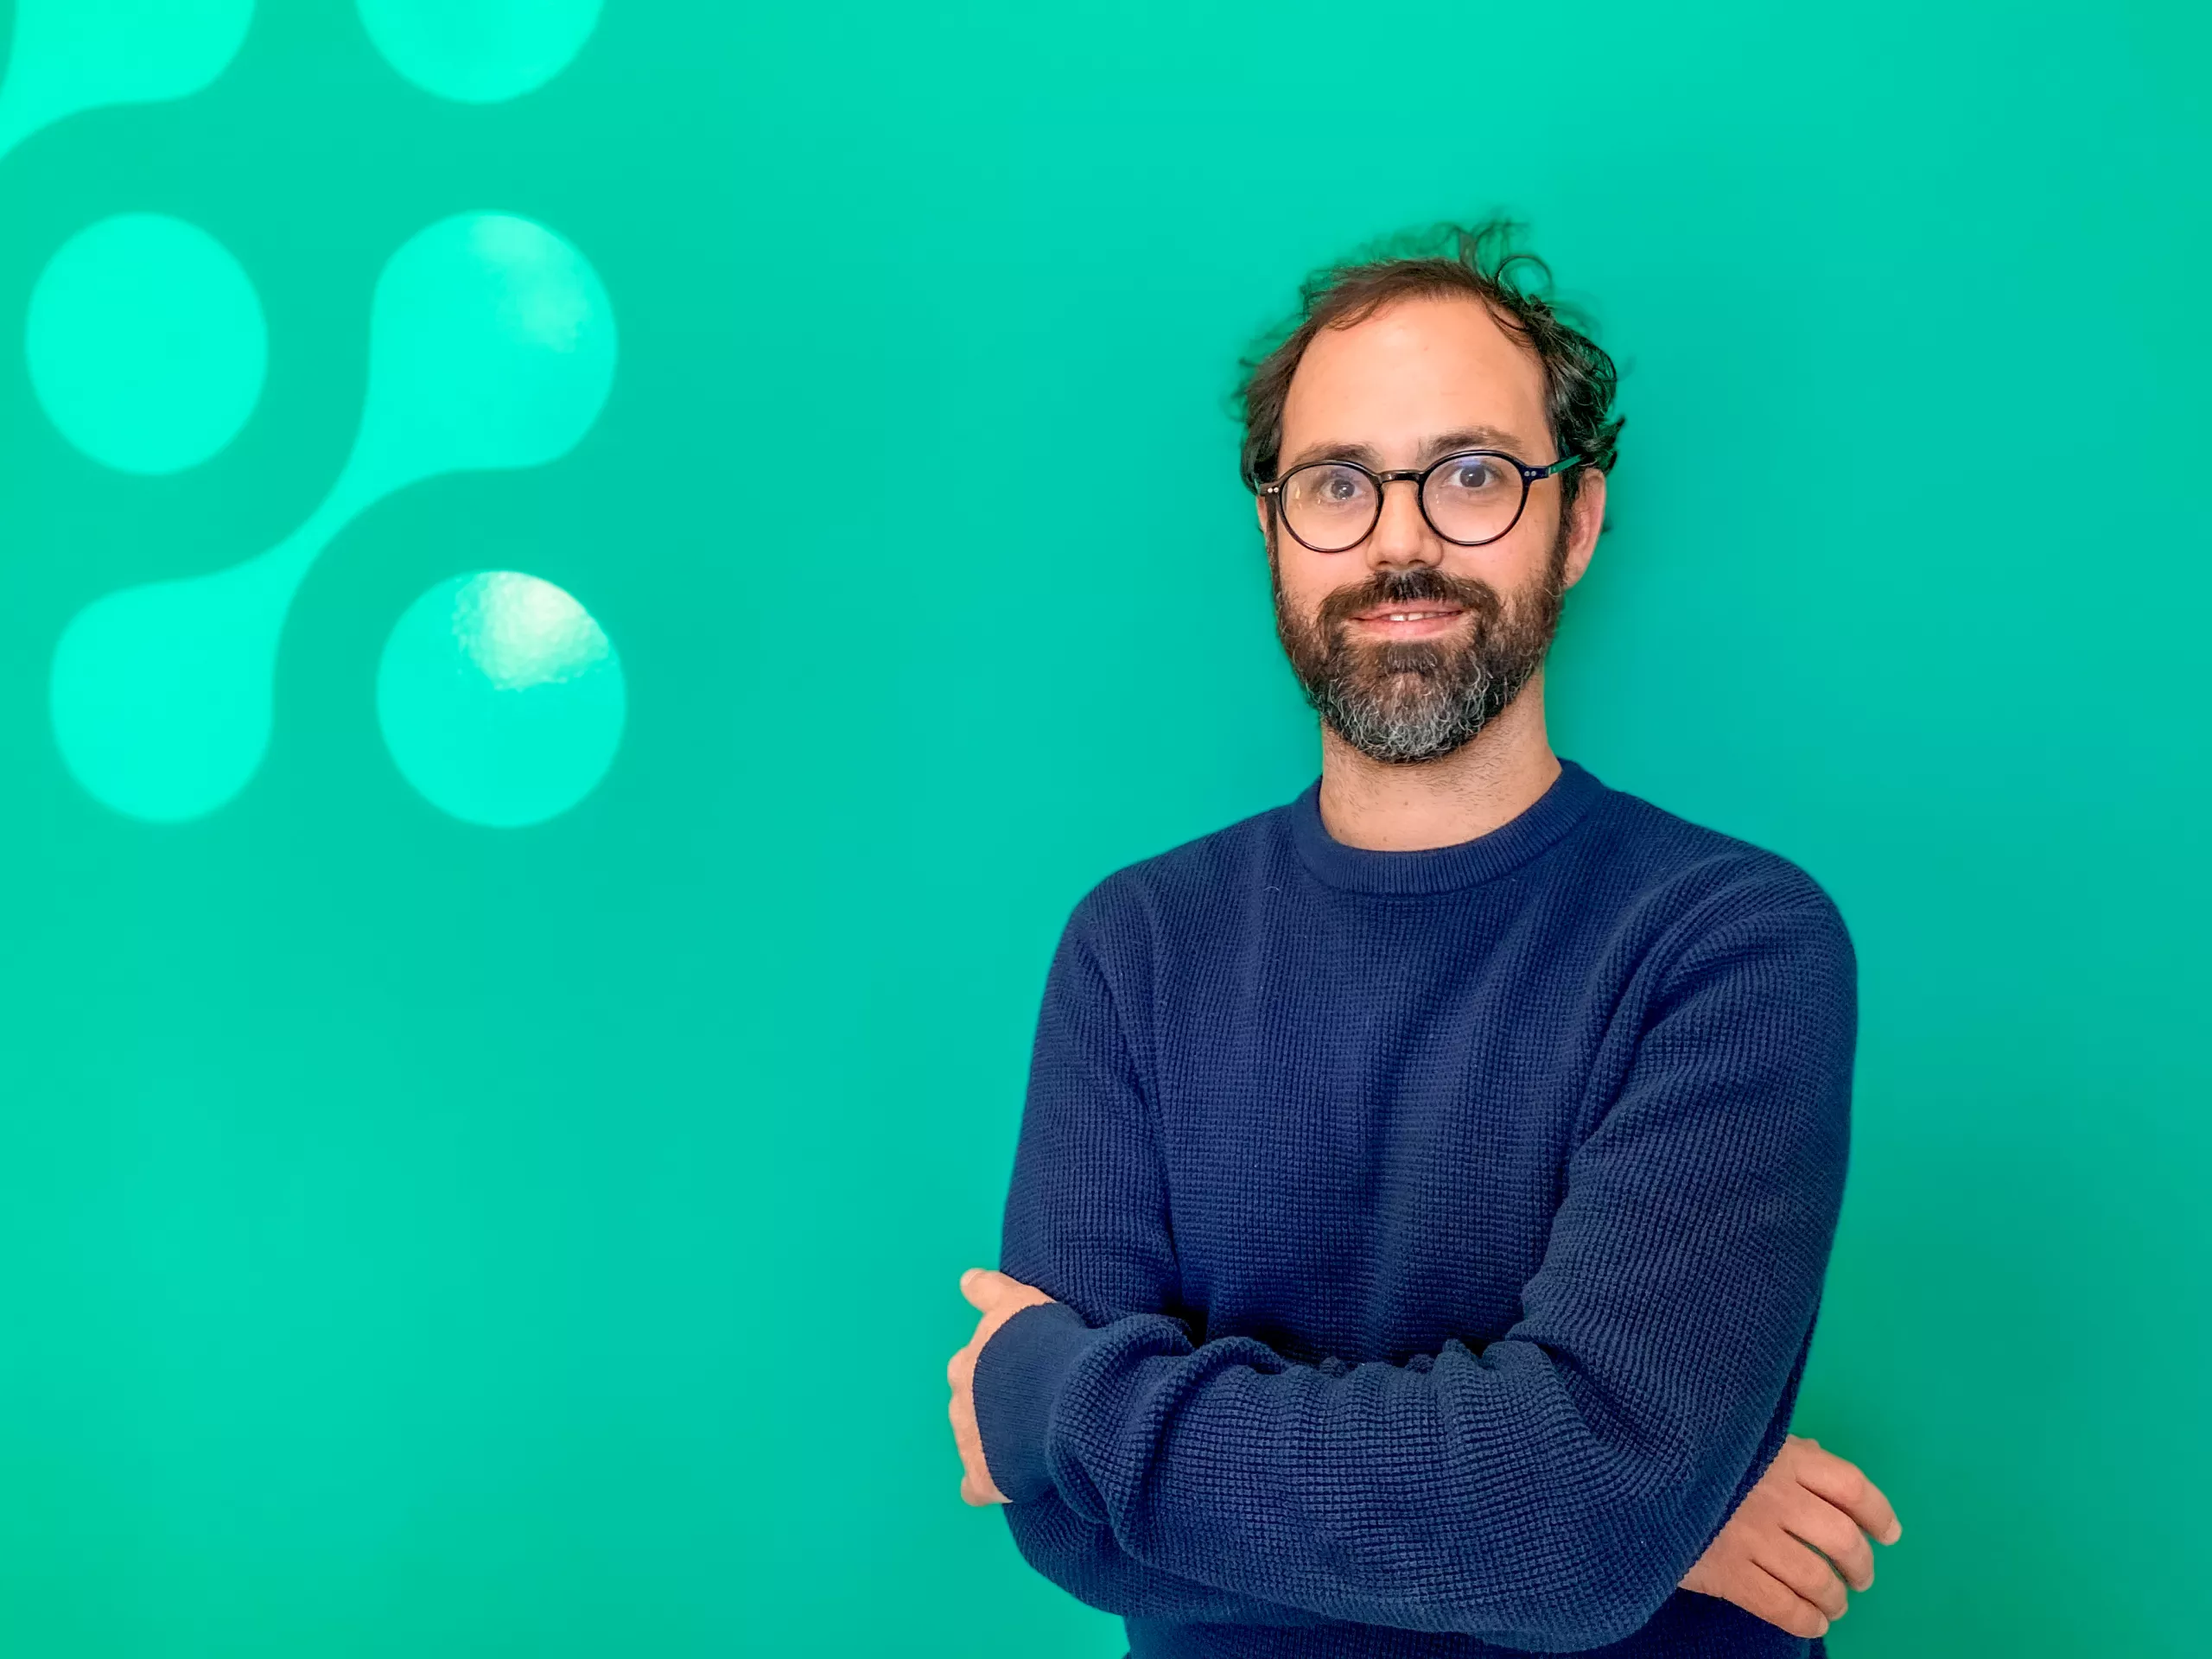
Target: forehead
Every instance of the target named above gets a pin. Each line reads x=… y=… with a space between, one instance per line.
x=1416 y=367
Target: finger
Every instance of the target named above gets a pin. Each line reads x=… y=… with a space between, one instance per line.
x=1799 y=1618
x=970 y=1446
x=952 y=1367
x=1832 y=1532
x=1806 y=1574
x=978 y=1487
x=1844 y=1484
x=960 y=1412
x=1766 y=1597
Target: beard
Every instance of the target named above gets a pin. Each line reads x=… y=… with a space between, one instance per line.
x=1406 y=701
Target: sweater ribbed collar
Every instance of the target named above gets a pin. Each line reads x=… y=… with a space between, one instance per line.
x=1440 y=869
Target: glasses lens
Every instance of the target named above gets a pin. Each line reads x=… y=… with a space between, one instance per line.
x=1472 y=498
x=1329 y=505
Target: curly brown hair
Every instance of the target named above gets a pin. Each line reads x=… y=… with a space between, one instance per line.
x=1481 y=261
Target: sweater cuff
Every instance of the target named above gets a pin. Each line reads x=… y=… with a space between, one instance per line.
x=1017 y=1376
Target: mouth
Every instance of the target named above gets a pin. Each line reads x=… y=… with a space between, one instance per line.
x=1408 y=622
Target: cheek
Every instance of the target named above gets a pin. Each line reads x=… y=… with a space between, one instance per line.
x=1306 y=583
x=1307 y=575
x=1520 y=561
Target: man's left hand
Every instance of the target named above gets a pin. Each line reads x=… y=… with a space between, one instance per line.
x=1796 y=1545
x=1000 y=1298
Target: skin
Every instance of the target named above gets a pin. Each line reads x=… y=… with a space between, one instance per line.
x=1400 y=389
x=1396 y=390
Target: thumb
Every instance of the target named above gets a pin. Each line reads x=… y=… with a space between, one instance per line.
x=982 y=1286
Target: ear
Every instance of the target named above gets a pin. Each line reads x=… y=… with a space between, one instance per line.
x=1260 y=509
x=1589 y=518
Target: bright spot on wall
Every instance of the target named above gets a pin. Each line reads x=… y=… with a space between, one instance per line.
x=501 y=698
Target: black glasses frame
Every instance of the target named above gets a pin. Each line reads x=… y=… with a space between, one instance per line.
x=1418 y=477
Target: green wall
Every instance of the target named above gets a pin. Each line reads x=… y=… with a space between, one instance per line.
x=503 y=1070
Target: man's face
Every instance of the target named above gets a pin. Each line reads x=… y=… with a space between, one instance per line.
x=1406 y=644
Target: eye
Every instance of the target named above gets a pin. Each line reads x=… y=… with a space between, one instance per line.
x=1473 y=474
x=1331 y=489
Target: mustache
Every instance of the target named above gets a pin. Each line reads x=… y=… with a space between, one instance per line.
x=1418 y=584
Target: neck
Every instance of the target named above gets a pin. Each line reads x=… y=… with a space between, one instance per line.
x=1485 y=783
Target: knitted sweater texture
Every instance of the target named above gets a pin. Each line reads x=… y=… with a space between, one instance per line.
x=1437 y=1237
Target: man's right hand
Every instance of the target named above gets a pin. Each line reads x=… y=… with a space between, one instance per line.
x=1764 y=1559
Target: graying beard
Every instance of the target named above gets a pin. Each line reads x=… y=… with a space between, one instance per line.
x=1400 y=729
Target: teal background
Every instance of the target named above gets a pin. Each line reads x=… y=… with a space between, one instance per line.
x=420 y=1235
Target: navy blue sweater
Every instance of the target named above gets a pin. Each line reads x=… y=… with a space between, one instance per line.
x=1437 y=1236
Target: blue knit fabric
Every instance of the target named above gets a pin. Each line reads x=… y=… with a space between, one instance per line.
x=1437 y=1236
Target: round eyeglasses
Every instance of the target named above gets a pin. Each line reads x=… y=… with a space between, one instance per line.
x=1470 y=498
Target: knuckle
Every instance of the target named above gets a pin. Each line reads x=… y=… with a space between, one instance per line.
x=1853 y=1547
x=1832 y=1532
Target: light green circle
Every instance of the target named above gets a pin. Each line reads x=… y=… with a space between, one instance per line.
x=490 y=344
x=500 y=697
x=145 y=343
x=478 y=51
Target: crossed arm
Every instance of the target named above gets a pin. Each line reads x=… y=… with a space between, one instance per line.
x=1550 y=1491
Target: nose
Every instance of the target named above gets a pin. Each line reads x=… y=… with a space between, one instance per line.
x=1401 y=535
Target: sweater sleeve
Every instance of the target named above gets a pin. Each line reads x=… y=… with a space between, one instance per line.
x=1086 y=1222
x=1548 y=1490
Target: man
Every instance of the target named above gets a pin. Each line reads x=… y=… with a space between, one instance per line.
x=1425 y=1187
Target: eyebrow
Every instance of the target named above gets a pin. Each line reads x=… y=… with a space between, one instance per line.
x=1443 y=443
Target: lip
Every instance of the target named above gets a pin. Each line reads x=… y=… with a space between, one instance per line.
x=1442 y=620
